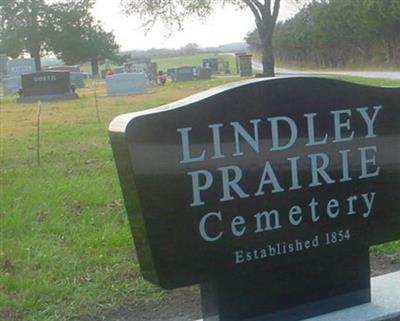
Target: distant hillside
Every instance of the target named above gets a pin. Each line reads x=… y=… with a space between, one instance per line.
x=164 y=52
x=229 y=47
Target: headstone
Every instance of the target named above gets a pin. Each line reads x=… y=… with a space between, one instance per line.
x=171 y=72
x=135 y=67
x=153 y=72
x=48 y=85
x=118 y=70
x=148 y=68
x=23 y=66
x=3 y=66
x=141 y=60
x=77 y=79
x=126 y=84
x=211 y=63
x=245 y=65
x=204 y=73
x=186 y=73
x=11 y=85
x=227 y=68
x=238 y=61
x=267 y=192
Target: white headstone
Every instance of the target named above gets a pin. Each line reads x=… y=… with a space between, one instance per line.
x=11 y=85
x=3 y=65
x=126 y=84
x=18 y=67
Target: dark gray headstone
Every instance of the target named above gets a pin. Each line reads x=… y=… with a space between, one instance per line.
x=77 y=79
x=238 y=61
x=23 y=66
x=135 y=68
x=11 y=85
x=143 y=66
x=49 y=85
x=126 y=84
x=204 y=73
x=211 y=63
x=185 y=73
x=118 y=70
x=153 y=72
x=267 y=192
x=245 y=65
x=171 y=72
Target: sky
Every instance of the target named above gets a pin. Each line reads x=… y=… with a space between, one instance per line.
x=225 y=25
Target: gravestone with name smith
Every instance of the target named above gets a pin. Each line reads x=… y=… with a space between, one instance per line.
x=48 y=85
x=268 y=193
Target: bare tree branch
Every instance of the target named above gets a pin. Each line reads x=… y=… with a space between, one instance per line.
x=275 y=13
x=254 y=9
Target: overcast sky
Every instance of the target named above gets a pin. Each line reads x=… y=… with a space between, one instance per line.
x=225 y=25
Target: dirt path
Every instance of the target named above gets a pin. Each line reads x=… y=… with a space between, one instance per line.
x=184 y=304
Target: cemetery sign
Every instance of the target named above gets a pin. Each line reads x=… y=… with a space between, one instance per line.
x=268 y=193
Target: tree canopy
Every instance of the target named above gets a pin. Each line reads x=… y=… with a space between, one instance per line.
x=65 y=28
x=76 y=36
x=338 y=32
x=23 y=28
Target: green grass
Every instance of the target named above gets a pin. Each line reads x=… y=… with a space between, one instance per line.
x=66 y=249
x=370 y=81
x=194 y=60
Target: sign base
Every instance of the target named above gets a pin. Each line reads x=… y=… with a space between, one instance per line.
x=383 y=307
x=334 y=282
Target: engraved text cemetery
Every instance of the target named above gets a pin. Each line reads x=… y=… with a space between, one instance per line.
x=319 y=163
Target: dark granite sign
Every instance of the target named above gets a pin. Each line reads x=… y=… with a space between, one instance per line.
x=47 y=85
x=267 y=192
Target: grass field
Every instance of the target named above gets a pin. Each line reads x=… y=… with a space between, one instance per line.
x=66 y=250
x=194 y=60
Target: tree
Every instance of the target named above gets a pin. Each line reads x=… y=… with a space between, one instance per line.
x=173 y=12
x=76 y=37
x=22 y=28
x=385 y=19
x=189 y=49
x=338 y=32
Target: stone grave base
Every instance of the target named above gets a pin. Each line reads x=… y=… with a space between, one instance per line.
x=47 y=98
x=385 y=305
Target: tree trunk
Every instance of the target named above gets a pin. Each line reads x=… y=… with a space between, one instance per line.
x=38 y=63
x=268 y=60
x=35 y=54
x=95 y=67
